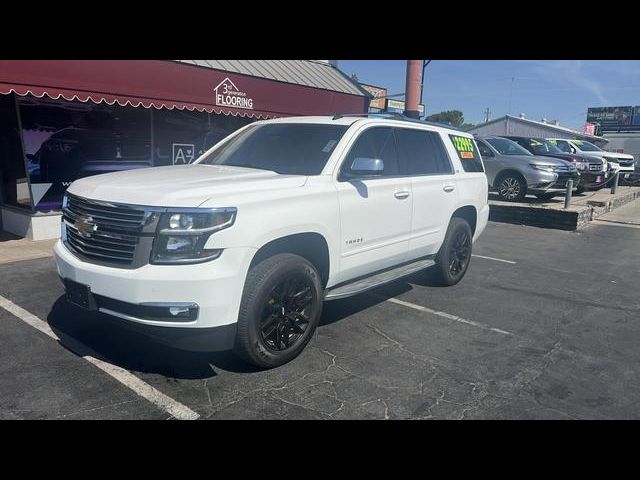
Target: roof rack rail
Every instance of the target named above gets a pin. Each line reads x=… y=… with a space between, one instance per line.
x=336 y=116
x=396 y=116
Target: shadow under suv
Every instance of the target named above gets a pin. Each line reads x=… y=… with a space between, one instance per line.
x=513 y=172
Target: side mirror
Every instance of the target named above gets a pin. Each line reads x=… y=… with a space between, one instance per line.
x=367 y=166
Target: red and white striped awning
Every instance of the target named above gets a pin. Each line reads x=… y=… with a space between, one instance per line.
x=169 y=84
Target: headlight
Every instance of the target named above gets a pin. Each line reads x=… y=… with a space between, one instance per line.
x=545 y=167
x=182 y=235
x=581 y=165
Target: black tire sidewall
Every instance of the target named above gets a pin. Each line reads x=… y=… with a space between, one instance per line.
x=260 y=281
x=444 y=275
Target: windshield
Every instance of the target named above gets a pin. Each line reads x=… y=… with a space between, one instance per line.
x=286 y=148
x=586 y=146
x=507 y=147
x=542 y=146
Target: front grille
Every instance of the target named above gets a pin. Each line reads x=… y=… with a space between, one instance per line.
x=624 y=162
x=595 y=167
x=108 y=217
x=105 y=233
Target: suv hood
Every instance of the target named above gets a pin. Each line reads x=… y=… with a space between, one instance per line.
x=570 y=156
x=180 y=185
x=608 y=155
x=537 y=159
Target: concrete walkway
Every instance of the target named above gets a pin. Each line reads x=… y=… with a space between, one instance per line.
x=15 y=249
x=628 y=215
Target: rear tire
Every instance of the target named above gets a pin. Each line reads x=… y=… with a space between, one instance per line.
x=454 y=255
x=580 y=189
x=511 y=187
x=280 y=309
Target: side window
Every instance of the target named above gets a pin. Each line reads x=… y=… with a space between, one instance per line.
x=422 y=153
x=375 y=143
x=467 y=153
x=562 y=145
x=484 y=150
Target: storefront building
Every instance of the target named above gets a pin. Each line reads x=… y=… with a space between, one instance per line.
x=64 y=120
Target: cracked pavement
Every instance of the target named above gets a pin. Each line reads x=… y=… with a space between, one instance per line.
x=570 y=307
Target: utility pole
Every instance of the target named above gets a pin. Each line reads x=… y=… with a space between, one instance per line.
x=487 y=114
x=513 y=79
x=412 y=89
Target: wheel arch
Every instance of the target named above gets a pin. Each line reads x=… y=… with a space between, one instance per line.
x=312 y=246
x=469 y=213
x=507 y=171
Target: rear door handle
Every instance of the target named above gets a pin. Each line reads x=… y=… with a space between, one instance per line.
x=401 y=195
x=449 y=188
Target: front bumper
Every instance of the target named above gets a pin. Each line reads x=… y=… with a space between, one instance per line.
x=215 y=287
x=553 y=182
x=593 y=179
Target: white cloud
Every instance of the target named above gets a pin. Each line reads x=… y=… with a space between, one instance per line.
x=572 y=72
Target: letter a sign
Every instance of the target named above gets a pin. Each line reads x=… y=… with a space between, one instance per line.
x=183 y=153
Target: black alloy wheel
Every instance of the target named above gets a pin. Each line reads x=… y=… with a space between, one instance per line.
x=287 y=311
x=459 y=253
x=280 y=309
x=454 y=256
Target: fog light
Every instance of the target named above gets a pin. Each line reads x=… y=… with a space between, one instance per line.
x=175 y=311
x=177 y=244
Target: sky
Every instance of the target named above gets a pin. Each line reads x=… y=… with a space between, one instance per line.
x=553 y=89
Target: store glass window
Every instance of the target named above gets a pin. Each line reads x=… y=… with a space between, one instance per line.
x=64 y=141
x=181 y=136
x=14 y=185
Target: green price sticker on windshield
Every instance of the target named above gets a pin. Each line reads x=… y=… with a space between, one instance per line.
x=464 y=146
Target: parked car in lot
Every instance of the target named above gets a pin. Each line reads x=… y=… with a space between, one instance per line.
x=239 y=249
x=594 y=171
x=626 y=162
x=513 y=172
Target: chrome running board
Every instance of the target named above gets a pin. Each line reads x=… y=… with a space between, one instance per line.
x=375 y=280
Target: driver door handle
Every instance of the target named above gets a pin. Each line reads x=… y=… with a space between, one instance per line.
x=401 y=195
x=449 y=188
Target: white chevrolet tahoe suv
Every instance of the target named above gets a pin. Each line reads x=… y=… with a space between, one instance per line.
x=239 y=249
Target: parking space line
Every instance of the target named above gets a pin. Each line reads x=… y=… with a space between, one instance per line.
x=446 y=315
x=494 y=259
x=141 y=388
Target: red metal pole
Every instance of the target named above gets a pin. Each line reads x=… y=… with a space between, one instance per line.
x=412 y=89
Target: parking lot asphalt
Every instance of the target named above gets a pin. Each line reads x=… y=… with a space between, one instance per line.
x=544 y=325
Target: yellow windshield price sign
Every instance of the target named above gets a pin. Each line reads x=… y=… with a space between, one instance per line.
x=464 y=146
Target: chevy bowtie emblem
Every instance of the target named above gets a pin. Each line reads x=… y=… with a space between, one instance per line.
x=85 y=227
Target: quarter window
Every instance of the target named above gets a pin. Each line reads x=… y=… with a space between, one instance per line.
x=422 y=153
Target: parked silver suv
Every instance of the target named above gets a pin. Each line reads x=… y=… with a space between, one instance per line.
x=513 y=172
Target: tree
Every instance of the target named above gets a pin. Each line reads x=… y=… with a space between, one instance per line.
x=454 y=118
x=354 y=77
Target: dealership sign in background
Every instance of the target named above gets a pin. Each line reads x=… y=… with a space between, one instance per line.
x=615 y=118
x=379 y=95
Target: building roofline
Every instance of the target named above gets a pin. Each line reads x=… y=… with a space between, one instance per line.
x=558 y=128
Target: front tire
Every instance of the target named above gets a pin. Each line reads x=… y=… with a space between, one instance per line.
x=280 y=309
x=511 y=187
x=454 y=255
